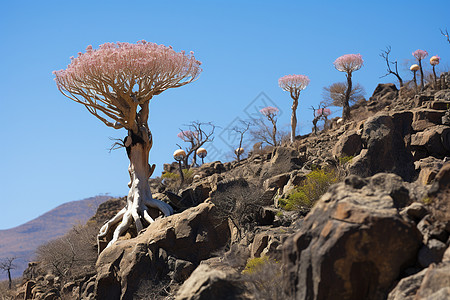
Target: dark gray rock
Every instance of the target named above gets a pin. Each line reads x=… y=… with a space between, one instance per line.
x=352 y=245
x=384 y=147
x=432 y=252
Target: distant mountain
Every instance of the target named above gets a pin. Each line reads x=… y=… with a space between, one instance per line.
x=22 y=241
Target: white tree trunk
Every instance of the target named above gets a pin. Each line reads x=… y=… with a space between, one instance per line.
x=139 y=198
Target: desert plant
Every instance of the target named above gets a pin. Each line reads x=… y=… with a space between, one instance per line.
x=264 y=278
x=419 y=55
x=446 y=35
x=240 y=130
x=294 y=84
x=202 y=153
x=434 y=61
x=348 y=63
x=71 y=255
x=116 y=83
x=385 y=55
x=321 y=113
x=254 y=264
x=270 y=113
x=239 y=202
x=197 y=134
x=334 y=95
x=306 y=195
x=6 y=265
x=414 y=68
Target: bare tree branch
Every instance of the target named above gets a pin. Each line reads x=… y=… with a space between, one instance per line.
x=7 y=265
x=196 y=136
x=445 y=33
x=385 y=55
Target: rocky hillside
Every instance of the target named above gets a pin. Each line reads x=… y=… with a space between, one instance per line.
x=360 y=210
x=22 y=241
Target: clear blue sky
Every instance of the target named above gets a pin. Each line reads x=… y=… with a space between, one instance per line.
x=54 y=151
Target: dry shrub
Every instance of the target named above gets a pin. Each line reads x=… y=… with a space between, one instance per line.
x=149 y=290
x=72 y=255
x=5 y=292
x=263 y=277
x=239 y=202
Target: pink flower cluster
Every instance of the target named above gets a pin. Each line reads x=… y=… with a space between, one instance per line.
x=349 y=63
x=293 y=82
x=420 y=54
x=269 y=110
x=187 y=135
x=126 y=64
x=323 y=112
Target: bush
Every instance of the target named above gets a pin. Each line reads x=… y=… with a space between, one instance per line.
x=345 y=159
x=315 y=185
x=264 y=278
x=72 y=255
x=172 y=180
x=238 y=201
x=255 y=264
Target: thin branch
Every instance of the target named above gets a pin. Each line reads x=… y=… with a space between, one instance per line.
x=385 y=55
x=445 y=33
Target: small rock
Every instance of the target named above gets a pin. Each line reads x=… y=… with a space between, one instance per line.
x=207 y=283
x=432 y=252
x=416 y=211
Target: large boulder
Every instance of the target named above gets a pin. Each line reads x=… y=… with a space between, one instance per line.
x=436 y=283
x=349 y=144
x=384 y=92
x=191 y=236
x=385 y=146
x=207 y=283
x=283 y=160
x=354 y=243
x=435 y=140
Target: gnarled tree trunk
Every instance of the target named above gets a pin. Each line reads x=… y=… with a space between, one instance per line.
x=138 y=144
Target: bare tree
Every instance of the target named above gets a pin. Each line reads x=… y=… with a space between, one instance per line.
x=320 y=113
x=241 y=130
x=196 y=136
x=7 y=265
x=334 y=95
x=263 y=132
x=116 y=83
x=445 y=33
x=385 y=55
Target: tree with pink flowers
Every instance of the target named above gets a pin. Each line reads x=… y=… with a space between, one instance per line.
x=116 y=83
x=294 y=84
x=419 y=55
x=348 y=63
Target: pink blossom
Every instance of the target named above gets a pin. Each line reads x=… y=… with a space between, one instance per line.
x=293 y=82
x=269 y=110
x=187 y=135
x=124 y=65
x=323 y=112
x=420 y=54
x=349 y=63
